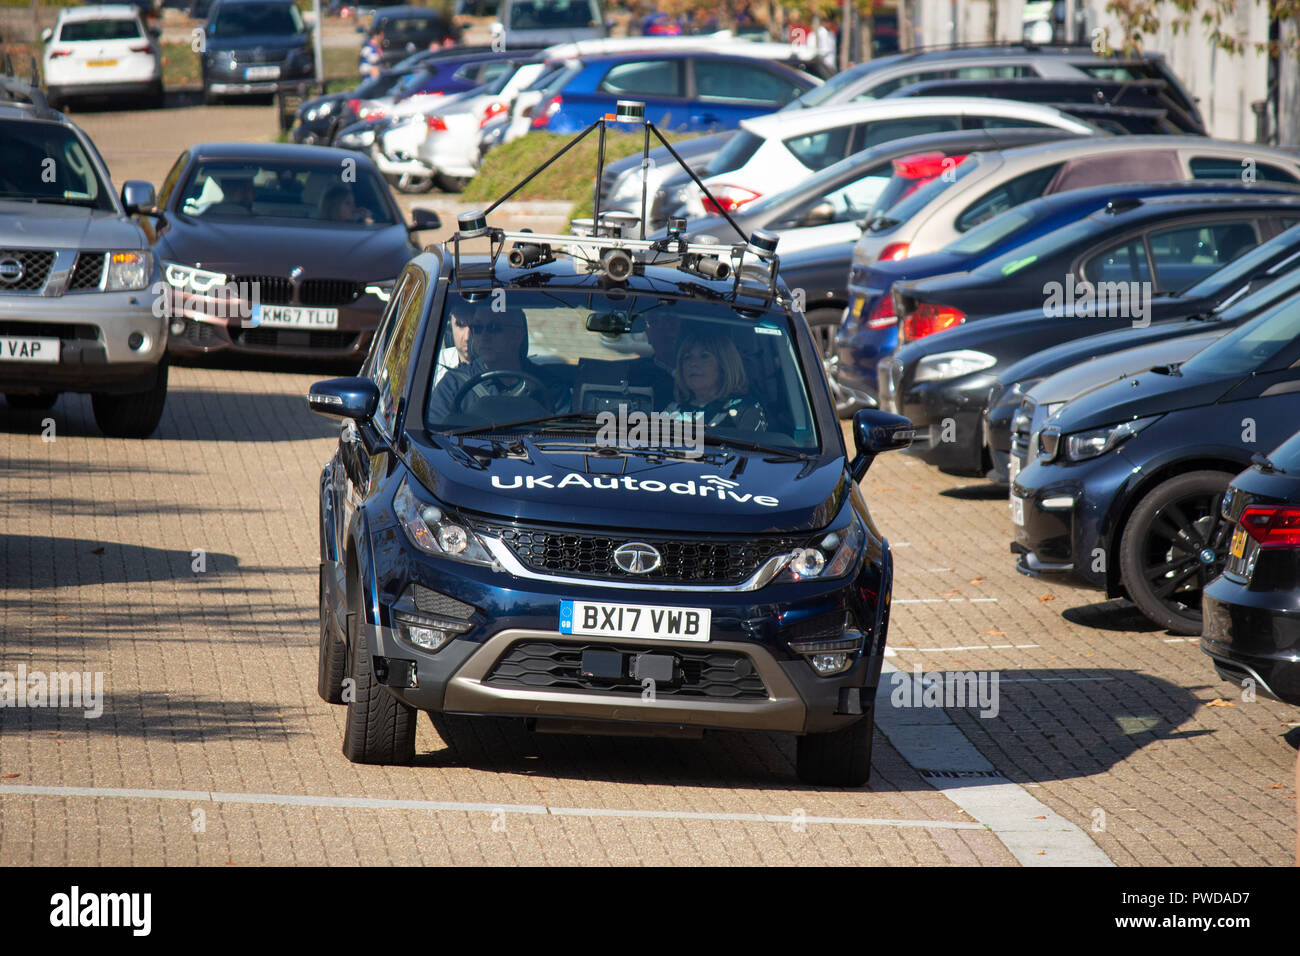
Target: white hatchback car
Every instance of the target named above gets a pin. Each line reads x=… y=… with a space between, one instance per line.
x=774 y=152
x=102 y=51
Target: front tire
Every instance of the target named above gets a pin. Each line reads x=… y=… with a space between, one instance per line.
x=1165 y=546
x=824 y=323
x=452 y=184
x=840 y=758
x=380 y=729
x=412 y=184
x=135 y=415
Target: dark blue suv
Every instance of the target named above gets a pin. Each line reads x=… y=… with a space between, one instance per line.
x=601 y=486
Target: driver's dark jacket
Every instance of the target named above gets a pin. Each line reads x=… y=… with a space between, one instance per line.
x=442 y=401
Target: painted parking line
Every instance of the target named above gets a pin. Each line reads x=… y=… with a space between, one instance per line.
x=444 y=806
x=983 y=600
x=969 y=647
x=927 y=739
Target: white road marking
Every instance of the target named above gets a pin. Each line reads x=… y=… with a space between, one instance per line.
x=1181 y=640
x=928 y=740
x=983 y=600
x=970 y=647
x=537 y=809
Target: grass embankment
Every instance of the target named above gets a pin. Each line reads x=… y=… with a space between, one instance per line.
x=570 y=177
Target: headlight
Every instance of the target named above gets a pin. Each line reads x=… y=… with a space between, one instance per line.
x=1084 y=445
x=946 y=365
x=831 y=557
x=381 y=290
x=436 y=532
x=128 y=271
x=191 y=278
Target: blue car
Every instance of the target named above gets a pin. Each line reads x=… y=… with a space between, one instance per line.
x=870 y=328
x=691 y=91
x=603 y=490
x=1124 y=487
x=455 y=74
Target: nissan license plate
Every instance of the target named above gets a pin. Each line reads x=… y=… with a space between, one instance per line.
x=294 y=317
x=22 y=349
x=640 y=621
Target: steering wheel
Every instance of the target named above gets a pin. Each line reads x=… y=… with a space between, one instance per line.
x=527 y=379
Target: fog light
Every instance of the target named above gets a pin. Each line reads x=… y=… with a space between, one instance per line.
x=828 y=664
x=178 y=326
x=425 y=633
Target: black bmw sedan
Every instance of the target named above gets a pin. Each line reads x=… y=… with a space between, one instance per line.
x=1252 y=610
x=276 y=248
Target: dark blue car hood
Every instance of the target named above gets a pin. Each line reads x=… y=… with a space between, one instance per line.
x=268 y=41
x=1149 y=393
x=744 y=493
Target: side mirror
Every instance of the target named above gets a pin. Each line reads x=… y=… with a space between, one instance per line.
x=47 y=35
x=424 y=219
x=819 y=215
x=138 y=197
x=351 y=398
x=874 y=432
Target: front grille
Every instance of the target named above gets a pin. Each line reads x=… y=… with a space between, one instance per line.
x=1020 y=428
x=35 y=267
x=51 y=330
x=328 y=292
x=717 y=675
x=201 y=334
x=88 y=272
x=690 y=561
x=271 y=290
x=293 y=339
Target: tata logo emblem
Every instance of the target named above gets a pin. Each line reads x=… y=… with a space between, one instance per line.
x=637 y=557
x=11 y=270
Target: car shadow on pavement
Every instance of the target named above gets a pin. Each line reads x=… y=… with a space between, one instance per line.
x=37 y=562
x=1117 y=615
x=981 y=492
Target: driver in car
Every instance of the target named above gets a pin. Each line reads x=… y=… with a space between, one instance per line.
x=499 y=365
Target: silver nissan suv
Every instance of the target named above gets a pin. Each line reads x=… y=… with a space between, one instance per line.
x=77 y=279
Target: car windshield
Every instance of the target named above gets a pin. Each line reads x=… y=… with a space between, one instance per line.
x=1287 y=283
x=46 y=163
x=1243 y=267
x=551 y=14
x=1248 y=347
x=79 y=30
x=529 y=360
x=230 y=190
x=261 y=19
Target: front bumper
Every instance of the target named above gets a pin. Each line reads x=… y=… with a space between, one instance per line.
x=94 y=331
x=952 y=411
x=232 y=81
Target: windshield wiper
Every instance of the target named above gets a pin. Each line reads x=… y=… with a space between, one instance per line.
x=570 y=417
x=754 y=446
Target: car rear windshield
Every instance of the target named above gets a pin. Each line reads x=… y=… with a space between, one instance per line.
x=1249 y=347
x=989 y=233
x=46 y=163
x=256 y=19
x=736 y=153
x=1046 y=245
x=884 y=217
x=1286 y=456
x=81 y=30
x=590 y=352
x=235 y=190
x=552 y=14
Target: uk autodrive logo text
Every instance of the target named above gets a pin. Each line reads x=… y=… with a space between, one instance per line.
x=709 y=486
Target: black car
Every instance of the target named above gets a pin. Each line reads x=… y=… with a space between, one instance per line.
x=255 y=47
x=493 y=544
x=943 y=382
x=1262 y=277
x=1124 y=485
x=266 y=248
x=1132 y=245
x=408 y=30
x=1252 y=610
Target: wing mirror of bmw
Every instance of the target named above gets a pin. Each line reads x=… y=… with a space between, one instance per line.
x=874 y=432
x=424 y=219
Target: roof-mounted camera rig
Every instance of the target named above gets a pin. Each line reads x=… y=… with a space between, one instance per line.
x=604 y=243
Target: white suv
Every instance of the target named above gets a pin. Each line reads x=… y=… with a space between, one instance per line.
x=101 y=51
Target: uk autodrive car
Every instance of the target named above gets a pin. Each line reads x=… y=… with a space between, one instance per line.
x=1252 y=610
x=278 y=249
x=1124 y=484
x=489 y=548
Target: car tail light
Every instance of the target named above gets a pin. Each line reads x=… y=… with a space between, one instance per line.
x=142 y=49
x=55 y=54
x=926 y=165
x=929 y=319
x=893 y=252
x=494 y=109
x=728 y=198
x=354 y=107
x=435 y=124
x=1273 y=526
x=882 y=316
x=543 y=116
